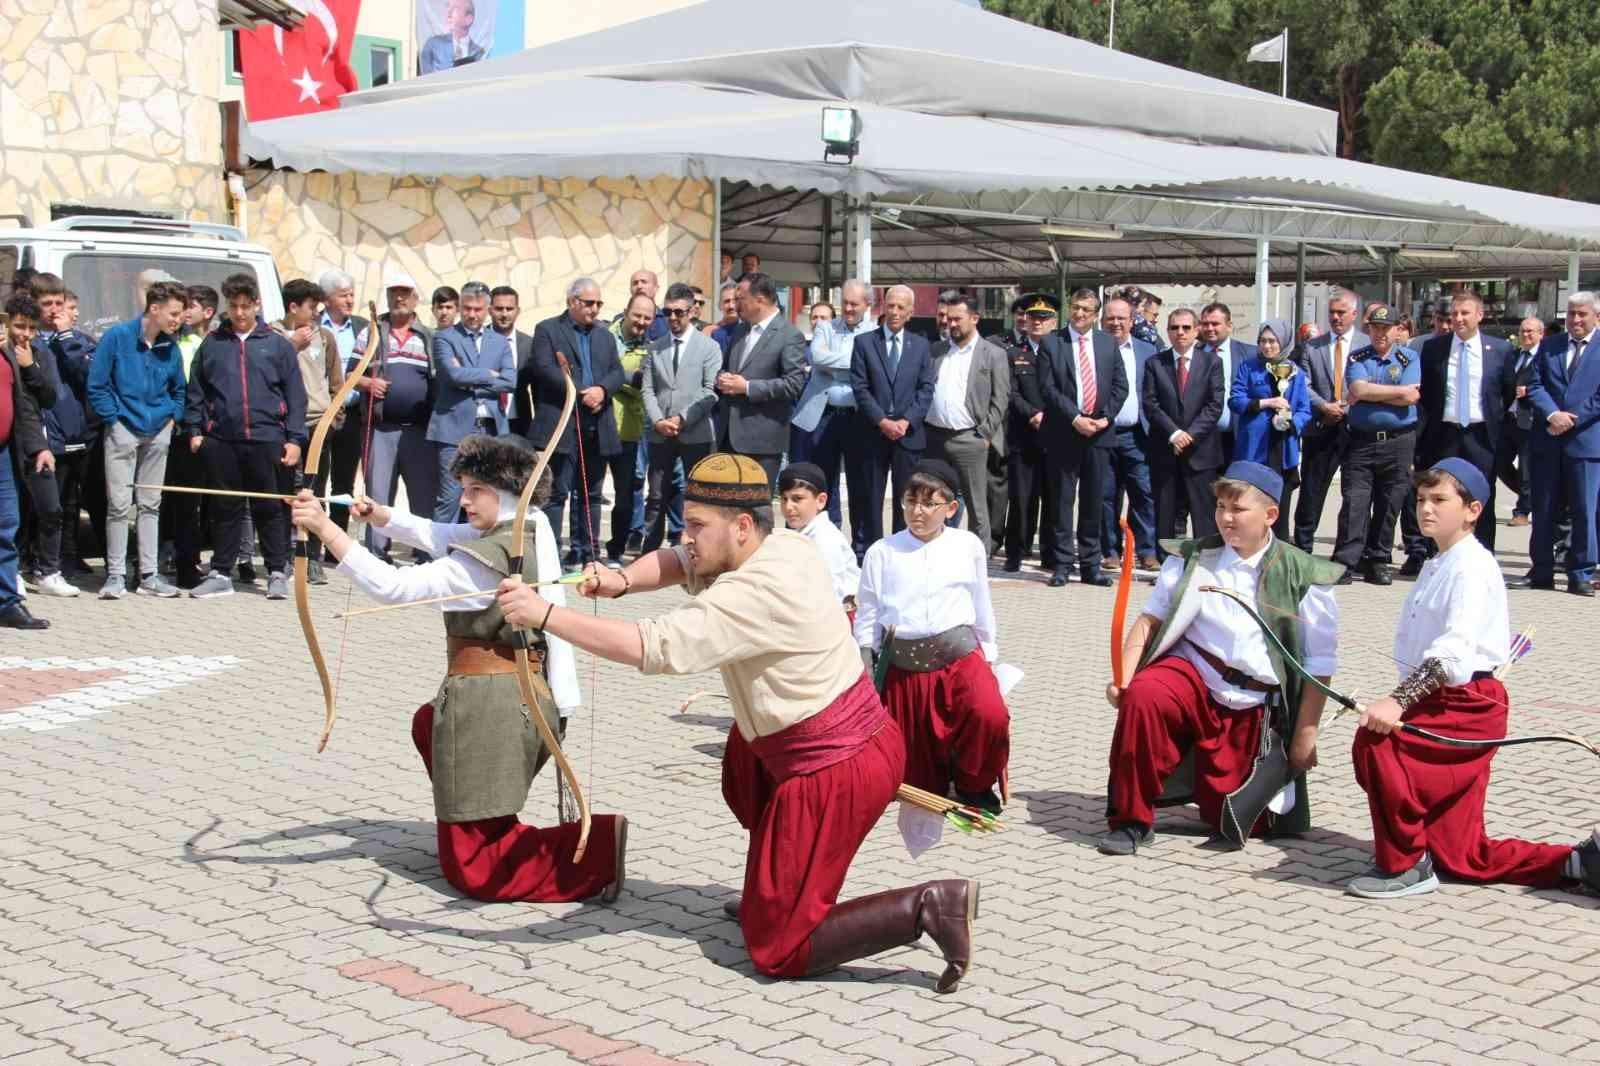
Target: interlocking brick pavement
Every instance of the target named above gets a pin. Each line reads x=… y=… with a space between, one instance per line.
x=183 y=880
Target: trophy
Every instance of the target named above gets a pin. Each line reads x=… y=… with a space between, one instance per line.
x=1282 y=370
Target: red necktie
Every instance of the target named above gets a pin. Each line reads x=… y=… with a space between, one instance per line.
x=1086 y=375
x=1183 y=374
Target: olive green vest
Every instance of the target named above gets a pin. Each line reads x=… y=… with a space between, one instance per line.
x=1286 y=575
x=486 y=750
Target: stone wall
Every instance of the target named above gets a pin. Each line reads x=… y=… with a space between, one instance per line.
x=535 y=234
x=111 y=103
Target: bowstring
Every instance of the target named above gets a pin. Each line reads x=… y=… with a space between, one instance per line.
x=350 y=586
x=594 y=550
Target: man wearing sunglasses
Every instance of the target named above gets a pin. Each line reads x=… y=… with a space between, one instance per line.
x=1182 y=402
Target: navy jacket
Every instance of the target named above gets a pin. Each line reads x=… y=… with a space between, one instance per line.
x=543 y=380
x=907 y=395
x=1551 y=390
x=1498 y=390
x=246 y=389
x=70 y=420
x=1195 y=412
x=1058 y=379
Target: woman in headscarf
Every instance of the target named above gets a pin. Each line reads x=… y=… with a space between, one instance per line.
x=1271 y=408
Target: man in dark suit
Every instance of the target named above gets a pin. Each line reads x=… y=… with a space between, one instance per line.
x=1516 y=454
x=1565 y=396
x=891 y=373
x=1216 y=335
x=1084 y=386
x=475 y=370
x=1322 y=446
x=1025 y=462
x=1182 y=401
x=504 y=306
x=762 y=377
x=591 y=435
x=1126 y=464
x=1468 y=381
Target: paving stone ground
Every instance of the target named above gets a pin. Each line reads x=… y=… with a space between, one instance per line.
x=183 y=880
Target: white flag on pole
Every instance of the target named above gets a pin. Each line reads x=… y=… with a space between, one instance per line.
x=1268 y=51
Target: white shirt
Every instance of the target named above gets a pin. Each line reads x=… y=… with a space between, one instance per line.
x=837 y=553
x=923 y=589
x=1456 y=613
x=1222 y=628
x=753 y=338
x=949 y=408
x=1128 y=416
x=1474 y=384
x=452 y=572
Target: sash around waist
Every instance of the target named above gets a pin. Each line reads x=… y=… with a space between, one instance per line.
x=922 y=655
x=830 y=736
x=477 y=658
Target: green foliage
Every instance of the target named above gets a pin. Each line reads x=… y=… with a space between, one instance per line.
x=1495 y=91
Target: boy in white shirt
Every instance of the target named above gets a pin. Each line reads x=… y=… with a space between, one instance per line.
x=928 y=586
x=1426 y=798
x=803 y=498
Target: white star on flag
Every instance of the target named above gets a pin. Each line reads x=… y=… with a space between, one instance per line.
x=308 y=86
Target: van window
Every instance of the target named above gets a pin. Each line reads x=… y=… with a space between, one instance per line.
x=110 y=289
x=8 y=269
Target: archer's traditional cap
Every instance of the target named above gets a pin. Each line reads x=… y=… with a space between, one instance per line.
x=1264 y=478
x=808 y=474
x=723 y=479
x=1040 y=303
x=941 y=472
x=1381 y=315
x=1467 y=476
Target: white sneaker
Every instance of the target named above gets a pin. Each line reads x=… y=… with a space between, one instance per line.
x=56 y=585
x=215 y=584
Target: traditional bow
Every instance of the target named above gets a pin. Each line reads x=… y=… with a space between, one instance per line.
x=302 y=584
x=1406 y=727
x=520 y=635
x=1119 y=611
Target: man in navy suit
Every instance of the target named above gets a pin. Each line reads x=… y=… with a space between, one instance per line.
x=476 y=369
x=1182 y=400
x=1565 y=395
x=1126 y=466
x=1084 y=386
x=891 y=373
x=1216 y=335
x=1468 y=383
x=591 y=435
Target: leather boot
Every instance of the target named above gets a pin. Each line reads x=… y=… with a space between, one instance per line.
x=943 y=909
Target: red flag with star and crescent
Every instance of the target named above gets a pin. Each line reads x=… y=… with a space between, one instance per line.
x=295 y=72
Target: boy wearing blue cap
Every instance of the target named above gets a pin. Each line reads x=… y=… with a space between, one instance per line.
x=1426 y=799
x=1208 y=686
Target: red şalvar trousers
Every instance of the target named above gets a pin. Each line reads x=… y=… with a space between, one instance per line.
x=1166 y=710
x=809 y=796
x=956 y=724
x=1429 y=797
x=500 y=859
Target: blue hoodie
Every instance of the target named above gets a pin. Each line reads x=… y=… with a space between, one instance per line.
x=70 y=422
x=137 y=384
x=247 y=388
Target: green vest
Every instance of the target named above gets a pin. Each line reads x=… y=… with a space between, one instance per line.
x=486 y=750
x=1286 y=575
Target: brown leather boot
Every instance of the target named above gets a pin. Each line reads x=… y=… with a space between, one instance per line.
x=861 y=927
x=610 y=893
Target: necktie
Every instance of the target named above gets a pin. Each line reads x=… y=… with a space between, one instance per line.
x=1086 y=376
x=676 y=345
x=1338 y=370
x=1577 y=354
x=1463 y=385
x=894 y=356
x=1183 y=374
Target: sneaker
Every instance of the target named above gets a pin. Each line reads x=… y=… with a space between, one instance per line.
x=1126 y=839
x=156 y=585
x=314 y=572
x=1375 y=884
x=56 y=585
x=115 y=588
x=1588 y=856
x=215 y=584
x=277 y=586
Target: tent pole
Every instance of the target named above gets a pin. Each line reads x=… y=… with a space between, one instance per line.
x=1263 y=264
x=827 y=248
x=1388 y=276
x=1573 y=264
x=714 y=291
x=1299 y=287
x=863 y=213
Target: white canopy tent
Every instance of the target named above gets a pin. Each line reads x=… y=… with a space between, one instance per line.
x=977 y=131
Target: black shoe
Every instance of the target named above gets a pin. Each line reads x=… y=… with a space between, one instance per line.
x=1096 y=578
x=1013 y=566
x=1126 y=839
x=988 y=800
x=1379 y=574
x=1580 y=586
x=1058 y=579
x=1528 y=581
x=1589 y=863
x=1412 y=566
x=247 y=573
x=635 y=542
x=17 y=617
x=1346 y=578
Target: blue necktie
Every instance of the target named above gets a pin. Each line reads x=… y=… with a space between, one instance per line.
x=894 y=357
x=1463 y=385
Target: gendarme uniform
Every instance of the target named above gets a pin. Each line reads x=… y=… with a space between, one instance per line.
x=1381 y=440
x=1024 y=452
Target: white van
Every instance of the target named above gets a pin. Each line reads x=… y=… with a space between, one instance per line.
x=102 y=258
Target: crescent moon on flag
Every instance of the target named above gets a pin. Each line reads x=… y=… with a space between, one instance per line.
x=318 y=10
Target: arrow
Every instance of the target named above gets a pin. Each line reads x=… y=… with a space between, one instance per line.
x=341 y=499
x=569 y=579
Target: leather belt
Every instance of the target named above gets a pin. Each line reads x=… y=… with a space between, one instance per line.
x=479 y=658
x=1369 y=436
x=1231 y=674
x=927 y=654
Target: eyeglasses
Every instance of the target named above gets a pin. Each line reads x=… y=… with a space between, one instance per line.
x=699 y=303
x=596 y=304
x=915 y=503
x=1175 y=328
x=677 y=312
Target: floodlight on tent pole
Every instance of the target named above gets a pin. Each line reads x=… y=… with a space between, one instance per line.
x=841 y=135
x=1082 y=231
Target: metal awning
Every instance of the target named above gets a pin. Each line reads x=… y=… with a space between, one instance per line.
x=248 y=14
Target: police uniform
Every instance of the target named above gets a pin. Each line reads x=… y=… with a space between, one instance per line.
x=1029 y=509
x=1381 y=439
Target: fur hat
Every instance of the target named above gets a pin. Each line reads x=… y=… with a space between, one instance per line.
x=502 y=462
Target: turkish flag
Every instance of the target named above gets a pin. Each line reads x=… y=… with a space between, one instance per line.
x=303 y=70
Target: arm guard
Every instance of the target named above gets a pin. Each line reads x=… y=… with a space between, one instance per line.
x=1422 y=682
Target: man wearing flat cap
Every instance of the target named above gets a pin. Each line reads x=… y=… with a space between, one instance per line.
x=1029 y=509
x=813 y=758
